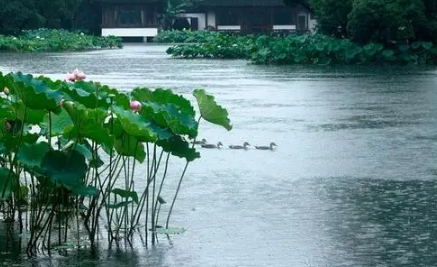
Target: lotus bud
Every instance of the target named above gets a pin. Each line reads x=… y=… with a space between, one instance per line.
x=79 y=75
x=6 y=91
x=135 y=106
x=70 y=77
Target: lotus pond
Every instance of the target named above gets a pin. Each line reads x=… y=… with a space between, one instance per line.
x=352 y=182
x=52 y=40
x=303 y=49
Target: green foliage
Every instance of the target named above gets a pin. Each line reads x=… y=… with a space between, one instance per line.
x=61 y=159
x=210 y=110
x=47 y=40
x=367 y=21
x=186 y=36
x=311 y=49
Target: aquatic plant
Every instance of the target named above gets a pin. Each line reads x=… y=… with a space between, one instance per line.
x=186 y=36
x=52 y=40
x=70 y=154
x=307 y=49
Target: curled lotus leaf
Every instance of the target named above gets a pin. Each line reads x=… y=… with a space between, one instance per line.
x=89 y=94
x=169 y=116
x=177 y=146
x=35 y=93
x=211 y=111
x=165 y=97
x=129 y=146
x=135 y=125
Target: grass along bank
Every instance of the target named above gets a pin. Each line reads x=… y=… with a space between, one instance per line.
x=52 y=40
x=306 y=49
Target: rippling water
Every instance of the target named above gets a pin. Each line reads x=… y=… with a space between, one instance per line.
x=352 y=183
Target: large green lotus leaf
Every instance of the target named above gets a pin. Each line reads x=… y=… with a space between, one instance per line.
x=6 y=178
x=35 y=93
x=162 y=96
x=86 y=93
x=126 y=194
x=169 y=116
x=31 y=155
x=66 y=168
x=6 y=110
x=92 y=130
x=88 y=123
x=129 y=146
x=210 y=110
x=33 y=116
x=79 y=113
x=60 y=122
x=135 y=125
x=179 y=147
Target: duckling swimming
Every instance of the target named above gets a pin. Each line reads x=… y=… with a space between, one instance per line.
x=219 y=144
x=244 y=146
x=202 y=142
x=272 y=144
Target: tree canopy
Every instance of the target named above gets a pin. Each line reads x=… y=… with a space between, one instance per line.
x=386 y=21
x=17 y=15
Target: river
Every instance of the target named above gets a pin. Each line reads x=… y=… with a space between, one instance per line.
x=352 y=182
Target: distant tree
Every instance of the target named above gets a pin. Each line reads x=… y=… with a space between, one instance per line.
x=331 y=16
x=17 y=15
x=171 y=10
x=389 y=22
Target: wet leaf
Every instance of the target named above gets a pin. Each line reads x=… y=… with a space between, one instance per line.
x=210 y=110
x=31 y=155
x=126 y=194
x=35 y=93
x=60 y=122
x=135 y=125
x=129 y=146
x=164 y=97
x=179 y=147
x=66 y=168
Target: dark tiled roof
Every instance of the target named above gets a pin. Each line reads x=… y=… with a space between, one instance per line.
x=129 y=1
x=242 y=3
x=211 y=2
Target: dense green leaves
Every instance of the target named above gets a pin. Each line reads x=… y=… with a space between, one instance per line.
x=32 y=155
x=61 y=161
x=314 y=49
x=210 y=110
x=34 y=93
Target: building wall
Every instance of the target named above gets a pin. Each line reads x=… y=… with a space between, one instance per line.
x=200 y=16
x=211 y=19
x=130 y=32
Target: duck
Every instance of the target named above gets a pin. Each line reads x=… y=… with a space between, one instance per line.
x=219 y=144
x=244 y=146
x=202 y=142
x=272 y=144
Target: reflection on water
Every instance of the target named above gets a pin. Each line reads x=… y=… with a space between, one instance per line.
x=352 y=182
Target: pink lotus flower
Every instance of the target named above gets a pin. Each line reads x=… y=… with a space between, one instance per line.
x=79 y=75
x=135 y=106
x=76 y=75
x=6 y=91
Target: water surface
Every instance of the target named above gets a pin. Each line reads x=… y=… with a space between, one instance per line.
x=352 y=183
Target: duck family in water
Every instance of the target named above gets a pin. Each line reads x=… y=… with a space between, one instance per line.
x=245 y=145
